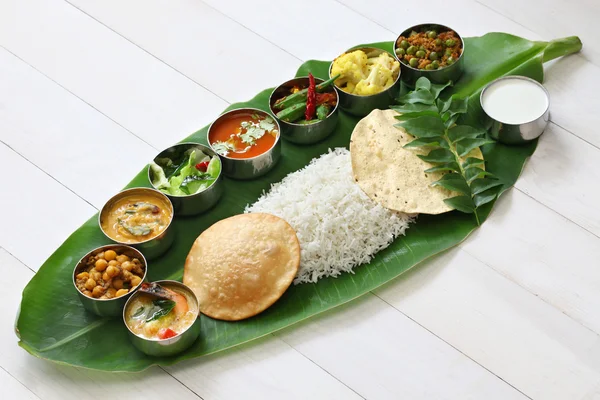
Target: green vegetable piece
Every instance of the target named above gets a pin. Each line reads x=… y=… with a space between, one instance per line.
x=429 y=67
x=450 y=42
x=138 y=312
x=433 y=56
x=400 y=51
x=159 y=309
x=411 y=50
x=300 y=96
x=432 y=34
x=323 y=111
x=214 y=167
x=420 y=54
x=450 y=60
x=159 y=179
x=413 y=33
x=414 y=62
x=448 y=52
x=293 y=113
x=438 y=42
x=435 y=64
x=137 y=230
x=404 y=44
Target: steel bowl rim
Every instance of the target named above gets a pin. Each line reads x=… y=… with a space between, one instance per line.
x=102 y=210
x=432 y=70
x=368 y=95
x=524 y=78
x=240 y=110
x=168 y=281
x=337 y=102
x=219 y=177
x=108 y=246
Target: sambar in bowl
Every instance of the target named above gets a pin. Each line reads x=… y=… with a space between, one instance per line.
x=140 y=217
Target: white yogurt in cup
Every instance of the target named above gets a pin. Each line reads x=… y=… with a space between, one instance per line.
x=518 y=107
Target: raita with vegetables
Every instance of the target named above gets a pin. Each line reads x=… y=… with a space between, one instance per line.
x=184 y=174
x=109 y=274
x=429 y=50
x=159 y=312
x=136 y=218
x=243 y=135
x=306 y=103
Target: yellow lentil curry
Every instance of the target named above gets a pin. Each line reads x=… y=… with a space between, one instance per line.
x=137 y=217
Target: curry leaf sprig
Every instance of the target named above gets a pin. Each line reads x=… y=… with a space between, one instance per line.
x=433 y=122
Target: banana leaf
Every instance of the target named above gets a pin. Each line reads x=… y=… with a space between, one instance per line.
x=53 y=325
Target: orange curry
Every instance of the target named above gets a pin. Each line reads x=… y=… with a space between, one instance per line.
x=243 y=135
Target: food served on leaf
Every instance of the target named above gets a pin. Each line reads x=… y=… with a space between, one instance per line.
x=185 y=173
x=365 y=72
x=241 y=265
x=243 y=134
x=136 y=215
x=392 y=174
x=337 y=225
x=429 y=49
x=109 y=274
x=160 y=311
x=305 y=102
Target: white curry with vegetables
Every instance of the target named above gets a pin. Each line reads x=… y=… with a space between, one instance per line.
x=160 y=312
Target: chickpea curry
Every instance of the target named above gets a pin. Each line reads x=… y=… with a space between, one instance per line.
x=160 y=311
x=429 y=50
x=137 y=217
x=109 y=274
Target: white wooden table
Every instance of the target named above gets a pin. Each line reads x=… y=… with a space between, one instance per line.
x=91 y=89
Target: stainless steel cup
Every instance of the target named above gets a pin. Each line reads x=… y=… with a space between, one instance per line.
x=171 y=346
x=442 y=75
x=154 y=247
x=198 y=202
x=518 y=133
x=304 y=133
x=107 y=307
x=249 y=168
x=363 y=105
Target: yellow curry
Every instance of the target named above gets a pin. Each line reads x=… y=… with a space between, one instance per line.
x=137 y=217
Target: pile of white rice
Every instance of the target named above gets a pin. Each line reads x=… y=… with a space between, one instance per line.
x=337 y=225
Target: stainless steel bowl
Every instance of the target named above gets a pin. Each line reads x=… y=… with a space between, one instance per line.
x=194 y=203
x=154 y=247
x=517 y=133
x=442 y=75
x=300 y=133
x=107 y=307
x=363 y=105
x=249 y=168
x=171 y=346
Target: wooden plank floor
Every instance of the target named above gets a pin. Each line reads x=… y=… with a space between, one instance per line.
x=512 y=313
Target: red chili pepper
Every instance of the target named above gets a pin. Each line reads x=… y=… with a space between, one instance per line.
x=203 y=166
x=311 y=98
x=166 y=333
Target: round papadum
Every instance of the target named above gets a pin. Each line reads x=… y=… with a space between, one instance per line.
x=242 y=265
x=393 y=175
